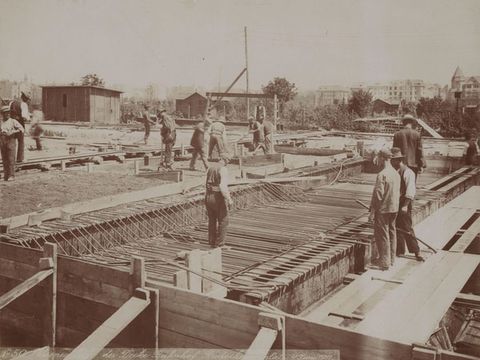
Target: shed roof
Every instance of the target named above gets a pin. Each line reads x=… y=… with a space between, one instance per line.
x=80 y=86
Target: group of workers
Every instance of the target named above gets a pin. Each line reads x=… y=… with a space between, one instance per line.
x=262 y=131
x=393 y=196
x=12 y=132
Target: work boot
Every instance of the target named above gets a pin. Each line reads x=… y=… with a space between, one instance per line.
x=419 y=257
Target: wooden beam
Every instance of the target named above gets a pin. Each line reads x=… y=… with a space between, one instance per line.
x=467 y=237
x=101 y=337
x=193 y=261
x=22 y=288
x=240 y=95
x=468 y=299
x=262 y=344
x=50 y=318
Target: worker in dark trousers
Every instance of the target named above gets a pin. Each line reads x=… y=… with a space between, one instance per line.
x=405 y=232
x=217 y=202
x=9 y=128
x=147 y=123
x=268 y=132
x=198 y=144
x=410 y=143
x=169 y=135
x=19 y=111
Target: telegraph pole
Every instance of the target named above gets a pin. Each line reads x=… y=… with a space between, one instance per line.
x=246 y=66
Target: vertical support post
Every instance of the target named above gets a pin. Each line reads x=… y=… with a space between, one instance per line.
x=275 y=119
x=63 y=165
x=138 y=272
x=89 y=167
x=136 y=170
x=50 y=319
x=246 y=66
x=235 y=149
x=182 y=150
x=193 y=261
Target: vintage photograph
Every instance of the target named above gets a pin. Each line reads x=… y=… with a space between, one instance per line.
x=240 y=179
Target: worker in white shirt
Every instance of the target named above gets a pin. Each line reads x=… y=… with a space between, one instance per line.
x=9 y=128
x=218 y=137
x=217 y=201
x=405 y=232
x=19 y=111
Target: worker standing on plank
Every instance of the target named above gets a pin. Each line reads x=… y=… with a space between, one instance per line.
x=404 y=216
x=19 y=111
x=218 y=137
x=217 y=201
x=198 y=144
x=9 y=128
x=410 y=143
x=383 y=210
x=169 y=135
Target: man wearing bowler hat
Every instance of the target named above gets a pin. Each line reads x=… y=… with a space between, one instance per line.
x=405 y=232
x=383 y=211
x=410 y=144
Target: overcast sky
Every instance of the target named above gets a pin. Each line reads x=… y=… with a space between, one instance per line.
x=201 y=42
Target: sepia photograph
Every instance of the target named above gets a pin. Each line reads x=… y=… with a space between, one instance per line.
x=240 y=179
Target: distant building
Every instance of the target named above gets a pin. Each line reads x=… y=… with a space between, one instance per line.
x=381 y=107
x=397 y=91
x=191 y=107
x=81 y=104
x=332 y=95
x=468 y=87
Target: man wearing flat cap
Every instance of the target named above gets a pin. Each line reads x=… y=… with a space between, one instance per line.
x=9 y=128
x=383 y=210
x=410 y=144
x=405 y=232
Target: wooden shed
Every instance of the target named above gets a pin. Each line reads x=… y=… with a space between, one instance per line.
x=74 y=103
x=192 y=106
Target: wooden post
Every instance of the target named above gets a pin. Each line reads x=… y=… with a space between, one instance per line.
x=193 y=261
x=182 y=150
x=275 y=116
x=50 y=319
x=89 y=167
x=63 y=165
x=136 y=170
x=235 y=149
x=138 y=272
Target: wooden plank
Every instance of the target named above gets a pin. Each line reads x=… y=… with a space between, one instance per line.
x=22 y=288
x=20 y=254
x=101 y=337
x=113 y=276
x=193 y=261
x=37 y=354
x=262 y=344
x=50 y=295
x=16 y=270
x=468 y=299
x=422 y=323
x=467 y=237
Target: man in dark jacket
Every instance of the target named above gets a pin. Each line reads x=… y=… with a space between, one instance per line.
x=19 y=111
x=198 y=144
x=169 y=135
x=410 y=143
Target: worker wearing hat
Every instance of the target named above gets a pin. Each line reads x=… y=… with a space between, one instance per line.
x=9 y=128
x=19 y=111
x=383 y=210
x=405 y=232
x=410 y=143
x=198 y=144
x=169 y=135
x=218 y=137
x=217 y=201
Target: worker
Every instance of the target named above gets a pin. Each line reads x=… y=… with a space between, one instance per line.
x=252 y=129
x=471 y=151
x=260 y=132
x=218 y=137
x=217 y=201
x=147 y=122
x=268 y=135
x=9 y=128
x=169 y=135
x=405 y=232
x=36 y=129
x=19 y=111
x=383 y=210
x=198 y=144
x=410 y=143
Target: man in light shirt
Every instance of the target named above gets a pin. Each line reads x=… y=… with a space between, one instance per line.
x=9 y=128
x=217 y=202
x=405 y=232
x=218 y=137
x=383 y=210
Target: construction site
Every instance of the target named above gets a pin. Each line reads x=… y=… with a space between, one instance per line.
x=95 y=269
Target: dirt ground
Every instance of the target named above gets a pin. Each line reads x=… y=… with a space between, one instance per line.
x=44 y=190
